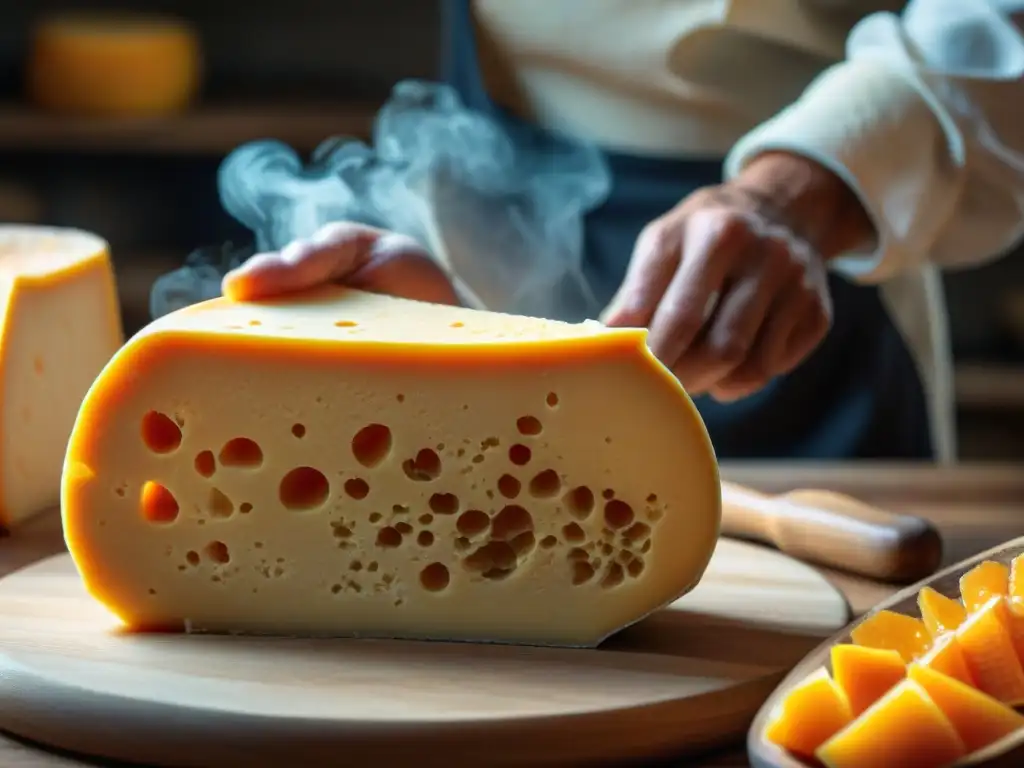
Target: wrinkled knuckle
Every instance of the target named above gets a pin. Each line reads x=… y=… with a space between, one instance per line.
x=733 y=226
x=686 y=323
x=660 y=236
x=297 y=250
x=731 y=351
x=333 y=233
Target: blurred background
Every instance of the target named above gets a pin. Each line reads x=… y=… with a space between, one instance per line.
x=144 y=176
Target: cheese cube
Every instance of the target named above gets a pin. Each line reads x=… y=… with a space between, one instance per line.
x=350 y=464
x=60 y=325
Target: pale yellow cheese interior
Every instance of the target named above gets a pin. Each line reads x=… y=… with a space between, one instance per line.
x=344 y=463
x=60 y=325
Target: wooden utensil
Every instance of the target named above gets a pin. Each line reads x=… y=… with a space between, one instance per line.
x=1008 y=753
x=687 y=678
x=834 y=530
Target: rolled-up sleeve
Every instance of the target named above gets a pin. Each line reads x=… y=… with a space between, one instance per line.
x=924 y=120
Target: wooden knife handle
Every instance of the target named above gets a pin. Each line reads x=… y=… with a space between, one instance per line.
x=834 y=530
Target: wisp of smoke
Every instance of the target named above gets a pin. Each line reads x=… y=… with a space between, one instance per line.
x=500 y=207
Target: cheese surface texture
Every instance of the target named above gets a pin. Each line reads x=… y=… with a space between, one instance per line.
x=60 y=325
x=344 y=463
x=114 y=66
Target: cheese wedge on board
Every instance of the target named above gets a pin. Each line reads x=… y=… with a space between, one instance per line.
x=349 y=464
x=59 y=325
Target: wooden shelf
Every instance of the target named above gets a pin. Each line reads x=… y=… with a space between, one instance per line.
x=205 y=130
x=990 y=386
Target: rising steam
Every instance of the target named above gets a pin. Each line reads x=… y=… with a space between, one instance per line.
x=500 y=207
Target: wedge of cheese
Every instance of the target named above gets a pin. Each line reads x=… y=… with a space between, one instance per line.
x=349 y=464
x=60 y=325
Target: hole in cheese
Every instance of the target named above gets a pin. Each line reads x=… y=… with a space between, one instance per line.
x=572 y=532
x=508 y=486
x=529 y=425
x=371 y=445
x=580 y=502
x=389 y=537
x=303 y=488
x=219 y=505
x=582 y=572
x=618 y=514
x=299 y=430
x=426 y=466
x=511 y=521
x=160 y=433
x=158 y=503
x=552 y=399
x=473 y=522
x=345 y=324
x=494 y=560
x=519 y=455
x=357 y=488
x=205 y=463
x=217 y=551
x=241 y=452
x=545 y=484
x=444 y=504
x=425 y=538
x=435 y=577
x=636 y=533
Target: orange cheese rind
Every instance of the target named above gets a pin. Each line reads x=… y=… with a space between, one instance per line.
x=345 y=463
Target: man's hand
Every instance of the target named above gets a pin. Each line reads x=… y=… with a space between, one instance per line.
x=353 y=254
x=732 y=282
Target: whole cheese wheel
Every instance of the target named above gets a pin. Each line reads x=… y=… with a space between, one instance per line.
x=60 y=326
x=114 y=66
x=346 y=463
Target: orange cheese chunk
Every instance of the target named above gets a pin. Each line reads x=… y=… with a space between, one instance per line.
x=865 y=673
x=809 y=715
x=979 y=719
x=117 y=66
x=939 y=613
x=60 y=325
x=904 y=728
x=346 y=463
x=988 y=650
x=946 y=657
x=893 y=631
x=982 y=582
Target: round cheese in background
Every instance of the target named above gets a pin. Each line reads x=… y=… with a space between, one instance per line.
x=114 y=66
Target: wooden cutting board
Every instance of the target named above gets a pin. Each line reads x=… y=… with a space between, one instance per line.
x=687 y=678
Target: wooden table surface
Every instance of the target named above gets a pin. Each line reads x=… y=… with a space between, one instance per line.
x=977 y=506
